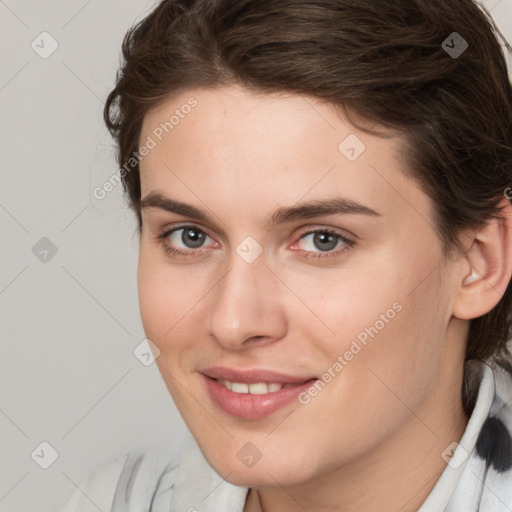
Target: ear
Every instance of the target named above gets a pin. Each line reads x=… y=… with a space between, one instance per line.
x=486 y=268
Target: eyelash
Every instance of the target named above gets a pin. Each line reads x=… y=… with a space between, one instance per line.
x=190 y=253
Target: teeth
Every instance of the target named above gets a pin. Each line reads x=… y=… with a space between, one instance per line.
x=258 y=388
x=239 y=387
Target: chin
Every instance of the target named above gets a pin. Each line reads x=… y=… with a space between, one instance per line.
x=260 y=478
x=268 y=473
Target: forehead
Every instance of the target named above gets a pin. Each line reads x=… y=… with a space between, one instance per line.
x=262 y=150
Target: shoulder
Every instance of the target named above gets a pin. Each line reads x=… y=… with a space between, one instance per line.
x=129 y=482
x=96 y=489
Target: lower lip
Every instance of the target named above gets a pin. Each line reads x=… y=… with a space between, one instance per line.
x=252 y=407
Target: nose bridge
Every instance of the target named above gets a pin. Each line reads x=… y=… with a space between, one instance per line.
x=245 y=304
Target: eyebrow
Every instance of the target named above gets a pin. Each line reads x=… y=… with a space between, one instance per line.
x=316 y=208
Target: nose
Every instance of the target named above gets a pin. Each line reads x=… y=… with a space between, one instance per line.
x=246 y=307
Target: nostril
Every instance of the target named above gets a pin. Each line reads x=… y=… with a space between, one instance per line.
x=256 y=340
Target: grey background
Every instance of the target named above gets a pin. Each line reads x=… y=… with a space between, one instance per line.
x=70 y=320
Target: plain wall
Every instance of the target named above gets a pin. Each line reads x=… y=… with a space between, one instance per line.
x=68 y=296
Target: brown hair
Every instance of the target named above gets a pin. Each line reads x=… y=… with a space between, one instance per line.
x=382 y=60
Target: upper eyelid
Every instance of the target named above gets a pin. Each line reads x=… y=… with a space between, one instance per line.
x=167 y=231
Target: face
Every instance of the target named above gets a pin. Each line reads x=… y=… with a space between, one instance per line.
x=290 y=276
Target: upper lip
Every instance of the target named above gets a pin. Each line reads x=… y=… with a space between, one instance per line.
x=253 y=376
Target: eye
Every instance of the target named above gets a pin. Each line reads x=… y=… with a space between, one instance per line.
x=318 y=243
x=323 y=242
x=183 y=240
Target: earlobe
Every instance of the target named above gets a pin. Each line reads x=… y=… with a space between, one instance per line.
x=490 y=263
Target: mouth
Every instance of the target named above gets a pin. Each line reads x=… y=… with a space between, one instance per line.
x=252 y=394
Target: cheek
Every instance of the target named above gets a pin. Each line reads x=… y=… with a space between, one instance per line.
x=161 y=299
x=153 y=297
x=171 y=302
x=377 y=366
x=391 y=318
x=354 y=302
x=403 y=356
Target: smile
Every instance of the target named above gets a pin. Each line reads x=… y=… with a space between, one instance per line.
x=252 y=394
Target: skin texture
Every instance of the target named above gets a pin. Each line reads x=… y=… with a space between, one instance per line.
x=372 y=438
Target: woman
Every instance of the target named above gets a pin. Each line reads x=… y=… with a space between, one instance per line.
x=322 y=196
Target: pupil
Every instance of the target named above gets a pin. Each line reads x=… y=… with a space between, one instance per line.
x=192 y=237
x=323 y=238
